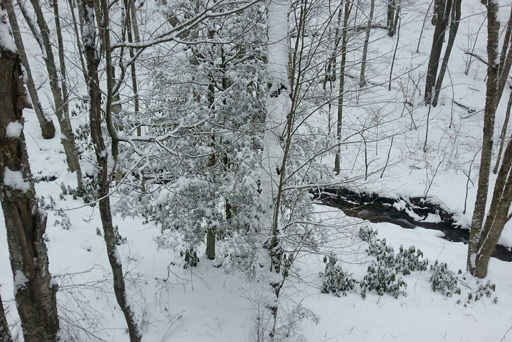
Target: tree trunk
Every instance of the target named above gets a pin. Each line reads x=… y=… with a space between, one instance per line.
x=277 y=107
x=474 y=245
x=362 y=80
x=62 y=60
x=46 y=124
x=390 y=17
x=341 y=88
x=25 y=222
x=132 y=30
x=5 y=334
x=68 y=139
x=442 y=14
x=92 y=61
x=398 y=9
x=454 y=26
x=505 y=48
x=504 y=67
x=503 y=135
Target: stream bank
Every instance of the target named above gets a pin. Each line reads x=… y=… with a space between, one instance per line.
x=407 y=213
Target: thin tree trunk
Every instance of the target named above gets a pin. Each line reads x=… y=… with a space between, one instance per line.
x=398 y=10
x=62 y=60
x=210 y=232
x=68 y=139
x=442 y=13
x=5 y=334
x=132 y=25
x=506 y=42
x=497 y=215
x=25 y=222
x=390 y=17
x=503 y=134
x=505 y=73
x=77 y=37
x=487 y=143
x=362 y=80
x=394 y=53
x=454 y=26
x=341 y=89
x=92 y=60
x=46 y=124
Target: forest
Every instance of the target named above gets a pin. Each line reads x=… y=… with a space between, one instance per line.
x=255 y=170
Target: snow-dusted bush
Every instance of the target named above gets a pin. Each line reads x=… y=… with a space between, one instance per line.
x=443 y=280
x=382 y=279
x=334 y=279
x=409 y=260
x=483 y=290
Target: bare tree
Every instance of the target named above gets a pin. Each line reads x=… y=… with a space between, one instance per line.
x=505 y=59
x=61 y=106
x=485 y=234
x=362 y=80
x=92 y=60
x=440 y=20
x=503 y=135
x=46 y=124
x=24 y=221
x=341 y=88
x=454 y=26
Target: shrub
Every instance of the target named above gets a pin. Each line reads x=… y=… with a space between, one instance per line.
x=443 y=280
x=335 y=280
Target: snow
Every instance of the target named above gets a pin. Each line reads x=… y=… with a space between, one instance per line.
x=6 y=40
x=20 y=281
x=15 y=180
x=14 y=129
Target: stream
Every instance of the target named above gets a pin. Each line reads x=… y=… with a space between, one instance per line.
x=407 y=213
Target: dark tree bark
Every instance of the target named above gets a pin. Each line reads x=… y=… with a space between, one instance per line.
x=505 y=60
x=24 y=221
x=92 y=61
x=481 y=237
x=503 y=135
x=390 y=17
x=341 y=89
x=5 y=334
x=441 y=16
x=454 y=26
x=46 y=124
x=362 y=80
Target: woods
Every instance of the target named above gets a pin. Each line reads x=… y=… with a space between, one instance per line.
x=203 y=135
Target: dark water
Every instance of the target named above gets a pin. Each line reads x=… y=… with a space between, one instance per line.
x=375 y=208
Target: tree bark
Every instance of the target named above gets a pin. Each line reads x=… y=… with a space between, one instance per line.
x=477 y=227
x=506 y=63
x=5 y=334
x=46 y=124
x=442 y=14
x=68 y=138
x=92 y=61
x=362 y=80
x=341 y=88
x=503 y=135
x=25 y=222
x=454 y=26
x=390 y=16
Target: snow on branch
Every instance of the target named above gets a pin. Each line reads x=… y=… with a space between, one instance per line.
x=172 y=35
